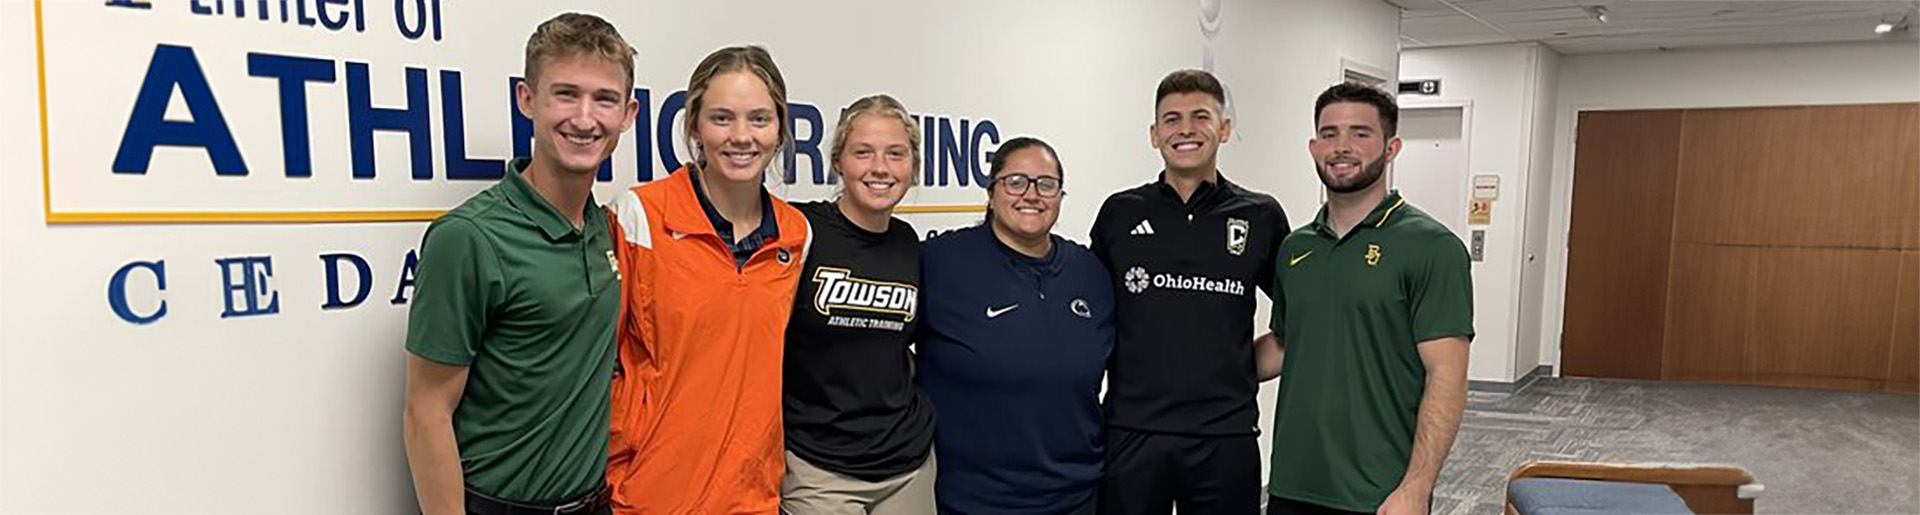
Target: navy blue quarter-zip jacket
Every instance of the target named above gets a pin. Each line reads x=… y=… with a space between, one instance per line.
x=1011 y=353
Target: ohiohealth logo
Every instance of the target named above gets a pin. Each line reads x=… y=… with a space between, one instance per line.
x=1138 y=280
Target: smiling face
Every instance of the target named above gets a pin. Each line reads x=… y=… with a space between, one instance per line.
x=1350 y=149
x=1188 y=130
x=578 y=109
x=1028 y=214
x=737 y=127
x=876 y=166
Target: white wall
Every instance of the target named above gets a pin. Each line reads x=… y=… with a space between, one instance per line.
x=298 y=412
x=1820 y=74
x=1501 y=84
x=1297 y=51
x=1535 y=246
x=1292 y=51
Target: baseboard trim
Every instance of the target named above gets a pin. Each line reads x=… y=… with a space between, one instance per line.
x=1514 y=387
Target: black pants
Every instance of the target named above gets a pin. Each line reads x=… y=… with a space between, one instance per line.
x=592 y=504
x=1148 y=474
x=1278 y=506
x=1090 y=507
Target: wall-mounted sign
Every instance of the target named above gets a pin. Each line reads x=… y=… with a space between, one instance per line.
x=1486 y=187
x=1420 y=87
x=336 y=112
x=1479 y=212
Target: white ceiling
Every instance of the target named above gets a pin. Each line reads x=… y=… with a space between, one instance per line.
x=1570 y=27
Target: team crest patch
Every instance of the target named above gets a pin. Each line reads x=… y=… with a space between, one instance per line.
x=1373 y=255
x=1237 y=230
x=785 y=257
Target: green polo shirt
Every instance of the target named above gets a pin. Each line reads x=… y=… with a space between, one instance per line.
x=1351 y=311
x=507 y=287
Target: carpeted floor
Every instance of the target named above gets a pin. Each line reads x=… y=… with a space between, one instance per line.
x=1816 y=451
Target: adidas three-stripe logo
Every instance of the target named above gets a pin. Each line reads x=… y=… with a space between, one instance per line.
x=1144 y=229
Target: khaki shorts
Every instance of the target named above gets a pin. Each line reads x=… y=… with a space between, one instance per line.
x=811 y=490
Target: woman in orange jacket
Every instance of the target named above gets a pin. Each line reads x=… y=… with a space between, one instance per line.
x=709 y=261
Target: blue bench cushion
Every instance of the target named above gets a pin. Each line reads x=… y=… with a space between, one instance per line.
x=1553 y=496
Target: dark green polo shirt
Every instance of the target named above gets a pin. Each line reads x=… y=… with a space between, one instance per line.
x=1351 y=311
x=507 y=287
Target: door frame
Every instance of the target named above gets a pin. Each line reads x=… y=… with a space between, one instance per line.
x=1466 y=141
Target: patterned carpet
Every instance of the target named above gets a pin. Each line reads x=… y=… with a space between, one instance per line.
x=1816 y=451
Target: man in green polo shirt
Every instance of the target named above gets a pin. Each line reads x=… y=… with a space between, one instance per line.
x=1373 y=308
x=511 y=332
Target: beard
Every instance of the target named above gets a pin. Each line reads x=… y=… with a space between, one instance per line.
x=1370 y=173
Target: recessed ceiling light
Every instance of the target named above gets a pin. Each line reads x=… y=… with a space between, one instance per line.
x=1883 y=28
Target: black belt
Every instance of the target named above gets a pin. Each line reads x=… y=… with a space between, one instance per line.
x=589 y=502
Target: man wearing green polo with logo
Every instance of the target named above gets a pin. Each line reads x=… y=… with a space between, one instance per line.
x=511 y=331
x=1373 y=308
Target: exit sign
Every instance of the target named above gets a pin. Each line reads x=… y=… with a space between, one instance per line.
x=1420 y=87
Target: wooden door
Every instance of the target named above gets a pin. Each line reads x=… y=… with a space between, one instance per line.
x=1619 y=243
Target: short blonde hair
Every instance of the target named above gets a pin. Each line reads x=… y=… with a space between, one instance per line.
x=571 y=34
x=877 y=105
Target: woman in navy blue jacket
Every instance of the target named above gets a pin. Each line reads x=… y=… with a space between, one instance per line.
x=1018 y=325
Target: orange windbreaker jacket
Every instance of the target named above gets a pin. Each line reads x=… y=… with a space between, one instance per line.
x=696 y=397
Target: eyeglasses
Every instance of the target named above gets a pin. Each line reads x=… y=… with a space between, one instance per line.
x=1016 y=185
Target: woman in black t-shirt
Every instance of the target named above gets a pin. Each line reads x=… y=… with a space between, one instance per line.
x=859 y=433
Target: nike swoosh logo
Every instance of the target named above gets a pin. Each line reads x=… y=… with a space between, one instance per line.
x=995 y=313
x=1297 y=259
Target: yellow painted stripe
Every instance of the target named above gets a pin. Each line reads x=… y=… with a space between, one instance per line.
x=331 y=217
x=243 y=217
x=1389 y=213
x=46 y=167
x=940 y=208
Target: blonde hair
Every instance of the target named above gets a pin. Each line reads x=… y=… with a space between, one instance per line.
x=749 y=58
x=571 y=34
x=878 y=105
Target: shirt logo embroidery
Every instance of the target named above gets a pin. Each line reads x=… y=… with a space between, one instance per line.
x=1080 y=307
x=614 y=264
x=995 y=313
x=1373 y=255
x=785 y=257
x=1237 y=230
x=1295 y=261
x=1144 y=229
x=838 y=289
x=1137 y=280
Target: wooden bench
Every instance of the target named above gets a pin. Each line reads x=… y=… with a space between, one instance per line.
x=1704 y=488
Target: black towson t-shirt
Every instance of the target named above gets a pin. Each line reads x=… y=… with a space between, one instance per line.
x=851 y=403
